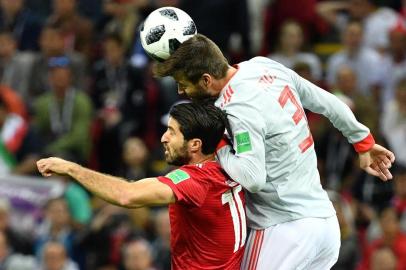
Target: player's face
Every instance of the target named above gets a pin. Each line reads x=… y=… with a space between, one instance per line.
x=176 y=152
x=192 y=91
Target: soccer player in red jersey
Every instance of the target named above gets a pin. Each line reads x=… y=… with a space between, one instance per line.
x=206 y=207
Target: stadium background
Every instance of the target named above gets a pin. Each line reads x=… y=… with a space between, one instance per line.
x=113 y=115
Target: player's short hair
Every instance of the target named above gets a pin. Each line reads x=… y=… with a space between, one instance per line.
x=193 y=58
x=200 y=121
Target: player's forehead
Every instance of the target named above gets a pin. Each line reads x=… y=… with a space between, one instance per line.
x=173 y=124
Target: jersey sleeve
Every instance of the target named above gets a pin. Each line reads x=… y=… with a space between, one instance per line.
x=245 y=161
x=189 y=184
x=340 y=115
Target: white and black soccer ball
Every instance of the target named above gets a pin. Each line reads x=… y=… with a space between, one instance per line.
x=164 y=30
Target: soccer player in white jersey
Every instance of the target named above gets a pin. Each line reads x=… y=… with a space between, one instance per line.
x=293 y=223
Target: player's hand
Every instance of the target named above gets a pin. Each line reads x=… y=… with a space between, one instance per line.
x=49 y=166
x=377 y=162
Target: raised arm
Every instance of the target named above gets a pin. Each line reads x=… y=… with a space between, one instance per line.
x=374 y=159
x=149 y=191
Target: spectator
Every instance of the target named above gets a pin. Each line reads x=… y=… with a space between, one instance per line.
x=135 y=156
x=349 y=250
x=108 y=230
x=362 y=105
x=399 y=198
x=376 y=20
x=55 y=258
x=161 y=244
x=63 y=115
x=278 y=11
x=24 y=25
x=366 y=62
x=77 y=31
x=383 y=259
x=117 y=84
x=119 y=96
x=21 y=146
x=13 y=101
x=289 y=51
x=393 y=122
x=56 y=226
x=15 y=66
x=225 y=30
x=78 y=202
x=138 y=255
x=13 y=261
x=52 y=45
x=124 y=17
x=256 y=24
x=16 y=241
x=392 y=237
x=395 y=59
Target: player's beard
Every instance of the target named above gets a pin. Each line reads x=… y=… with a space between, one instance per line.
x=200 y=95
x=177 y=157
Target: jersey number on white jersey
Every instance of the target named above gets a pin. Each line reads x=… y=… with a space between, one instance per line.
x=299 y=114
x=232 y=198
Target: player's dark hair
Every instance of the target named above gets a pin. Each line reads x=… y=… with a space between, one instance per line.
x=193 y=58
x=200 y=121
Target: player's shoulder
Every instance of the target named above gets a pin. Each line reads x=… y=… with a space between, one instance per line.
x=204 y=170
x=268 y=62
x=202 y=167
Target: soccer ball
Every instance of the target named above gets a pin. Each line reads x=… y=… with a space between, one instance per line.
x=164 y=30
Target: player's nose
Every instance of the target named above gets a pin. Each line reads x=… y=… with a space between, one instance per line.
x=164 y=138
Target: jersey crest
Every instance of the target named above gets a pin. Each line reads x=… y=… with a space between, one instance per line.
x=178 y=176
x=243 y=142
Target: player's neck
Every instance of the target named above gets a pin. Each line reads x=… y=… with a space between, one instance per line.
x=221 y=83
x=202 y=159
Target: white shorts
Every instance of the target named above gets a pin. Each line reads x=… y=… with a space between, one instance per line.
x=308 y=243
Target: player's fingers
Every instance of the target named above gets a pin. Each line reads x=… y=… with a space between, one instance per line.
x=385 y=170
x=391 y=156
x=43 y=166
x=385 y=160
x=45 y=169
x=376 y=167
x=371 y=171
x=47 y=174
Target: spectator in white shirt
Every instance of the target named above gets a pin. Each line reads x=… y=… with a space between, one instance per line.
x=289 y=51
x=393 y=123
x=367 y=63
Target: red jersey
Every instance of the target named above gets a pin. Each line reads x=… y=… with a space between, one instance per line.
x=208 y=226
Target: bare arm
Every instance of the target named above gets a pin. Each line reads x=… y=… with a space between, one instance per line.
x=149 y=191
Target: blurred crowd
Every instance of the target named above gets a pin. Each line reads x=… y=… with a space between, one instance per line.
x=75 y=83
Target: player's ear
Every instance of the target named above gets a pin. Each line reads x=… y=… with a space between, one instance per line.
x=195 y=145
x=206 y=80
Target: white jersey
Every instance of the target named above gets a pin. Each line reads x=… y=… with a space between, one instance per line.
x=274 y=157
